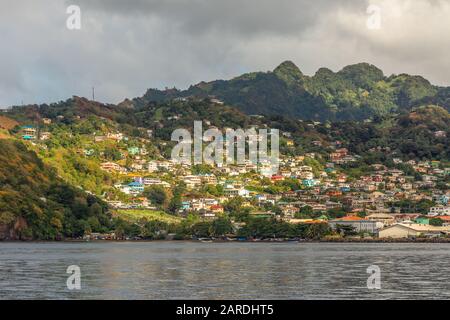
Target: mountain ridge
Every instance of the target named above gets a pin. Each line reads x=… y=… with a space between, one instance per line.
x=356 y=92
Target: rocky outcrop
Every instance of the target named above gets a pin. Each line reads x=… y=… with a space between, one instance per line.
x=15 y=231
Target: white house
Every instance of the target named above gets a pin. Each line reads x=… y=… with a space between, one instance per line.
x=439 y=211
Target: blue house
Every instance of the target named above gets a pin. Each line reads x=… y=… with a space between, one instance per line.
x=185 y=205
x=28 y=133
x=444 y=200
x=309 y=182
x=136 y=186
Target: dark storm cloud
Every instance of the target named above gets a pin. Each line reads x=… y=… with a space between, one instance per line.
x=125 y=47
x=245 y=18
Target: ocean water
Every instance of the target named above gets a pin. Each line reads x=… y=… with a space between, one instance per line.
x=233 y=270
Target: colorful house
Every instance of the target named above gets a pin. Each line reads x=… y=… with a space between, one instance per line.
x=133 y=151
x=28 y=133
x=89 y=152
x=309 y=183
x=136 y=187
x=423 y=220
x=185 y=205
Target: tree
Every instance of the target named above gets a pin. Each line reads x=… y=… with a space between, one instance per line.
x=221 y=227
x=233 y=205
x=317 y=230
x=437 y=222
x=112 y=154
x=154 y=229
x=307 y=210
x=201 y=169
x=346 y=230
x=156 y=194
x=336 y=213
x=95 y=210
x=201 y=229
x=175 y=202
x=362 y=214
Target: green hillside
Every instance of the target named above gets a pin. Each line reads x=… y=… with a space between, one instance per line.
x=35 y=203
x=81 y=153
x=356 y=92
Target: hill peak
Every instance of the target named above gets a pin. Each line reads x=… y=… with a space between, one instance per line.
x=288 y=72
x=287 y=66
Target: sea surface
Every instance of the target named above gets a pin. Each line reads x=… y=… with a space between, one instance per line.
x=232 y=270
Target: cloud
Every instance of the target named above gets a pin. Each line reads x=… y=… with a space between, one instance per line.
x=125 y=47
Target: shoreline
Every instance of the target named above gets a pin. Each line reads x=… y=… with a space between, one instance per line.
x=362 y=241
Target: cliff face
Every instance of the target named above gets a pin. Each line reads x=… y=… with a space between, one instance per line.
x=15 y=230
x=5 y=232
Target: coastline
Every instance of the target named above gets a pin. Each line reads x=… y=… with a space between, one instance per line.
x=362 y=241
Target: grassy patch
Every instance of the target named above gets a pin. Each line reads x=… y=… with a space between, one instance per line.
x=138 y=214
x=4 y=134
x=158 y=114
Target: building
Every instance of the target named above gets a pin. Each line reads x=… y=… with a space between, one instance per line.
x=208 y=215
x=359 y=224
x=309 y=183
x=439 y=211
x=136 y=187
x=133 y=151
x=111 y=166
x=440 y=134
x=384 y=218
x=422 y=220
x=155 y=182
x=208 y=179
x=152 y=166
x=28 y=133
x=118 y=136
x=45 y=135
x=99 y=138
x=133 y=188
x=192 y=181
x=400 y=230
x=216 y=208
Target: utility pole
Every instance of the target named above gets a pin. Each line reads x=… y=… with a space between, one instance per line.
x=93 y=94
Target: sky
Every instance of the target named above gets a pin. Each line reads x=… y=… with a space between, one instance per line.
x=125 y=47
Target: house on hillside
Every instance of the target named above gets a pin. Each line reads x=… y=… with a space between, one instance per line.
x=439 y=211
x=28 y=133
x=111 y=166
x=45 y=136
